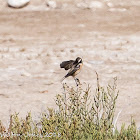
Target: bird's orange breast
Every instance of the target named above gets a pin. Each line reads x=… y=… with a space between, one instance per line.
x=78 y=71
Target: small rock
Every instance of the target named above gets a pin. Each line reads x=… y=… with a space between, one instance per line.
x=24 y=73
x=18 y=3
x=95 y=4
x=109 y=4
x=51 y=4
x=44 y=91
x=117 y=9
x=82 y=5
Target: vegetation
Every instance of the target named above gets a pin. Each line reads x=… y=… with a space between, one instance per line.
x=80 y=116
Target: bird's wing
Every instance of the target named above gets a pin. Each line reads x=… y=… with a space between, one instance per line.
x=67 y=64
x=73 y=70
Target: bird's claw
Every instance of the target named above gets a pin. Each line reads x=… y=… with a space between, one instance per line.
x=77 y=82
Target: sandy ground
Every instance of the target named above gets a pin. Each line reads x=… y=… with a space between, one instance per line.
x=34 y=42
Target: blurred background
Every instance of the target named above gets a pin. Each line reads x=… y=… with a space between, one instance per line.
x=37 y=35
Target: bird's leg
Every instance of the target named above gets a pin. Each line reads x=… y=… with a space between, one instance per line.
x=76 y=81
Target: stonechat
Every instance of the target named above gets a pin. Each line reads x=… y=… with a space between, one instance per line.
x=74 y=67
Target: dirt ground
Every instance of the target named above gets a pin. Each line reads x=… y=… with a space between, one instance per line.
x=34 y=42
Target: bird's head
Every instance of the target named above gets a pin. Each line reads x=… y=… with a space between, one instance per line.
x=78 y=60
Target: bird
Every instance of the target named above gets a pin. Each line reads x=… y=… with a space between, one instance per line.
x=74 y=67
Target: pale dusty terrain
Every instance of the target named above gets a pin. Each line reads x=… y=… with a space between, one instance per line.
x=34 y=42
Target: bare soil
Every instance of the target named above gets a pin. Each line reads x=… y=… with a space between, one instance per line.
x=34 y=42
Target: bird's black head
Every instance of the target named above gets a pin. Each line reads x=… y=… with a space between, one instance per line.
x=78 y=60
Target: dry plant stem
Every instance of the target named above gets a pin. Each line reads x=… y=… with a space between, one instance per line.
x=98 y=86
x=115 y=122
x=98 y=99
x=65 y=100
x=10 y=126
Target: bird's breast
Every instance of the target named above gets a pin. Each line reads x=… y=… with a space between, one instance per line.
x=78 y=71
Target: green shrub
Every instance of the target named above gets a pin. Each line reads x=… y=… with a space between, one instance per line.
x=81 y=114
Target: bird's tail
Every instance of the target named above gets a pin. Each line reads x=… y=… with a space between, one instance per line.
x=63 y=78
